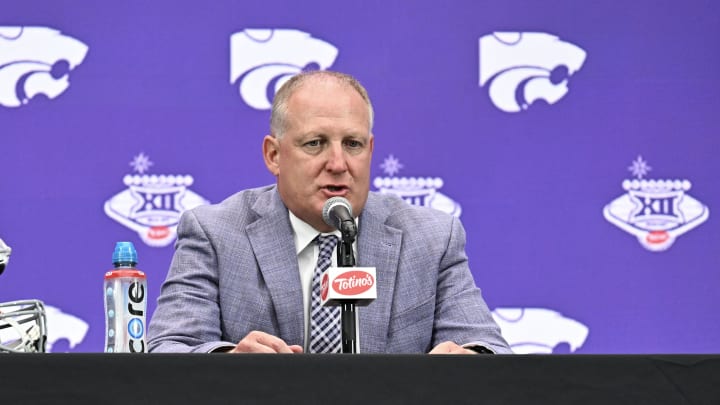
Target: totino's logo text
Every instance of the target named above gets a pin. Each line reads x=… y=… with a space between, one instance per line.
x=324 y=286
x=353 y=282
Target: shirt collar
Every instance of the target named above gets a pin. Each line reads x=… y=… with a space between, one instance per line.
x=304 y=233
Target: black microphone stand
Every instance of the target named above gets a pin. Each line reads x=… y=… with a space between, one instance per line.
x=346 y=258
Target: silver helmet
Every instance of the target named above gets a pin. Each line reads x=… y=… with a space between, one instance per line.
x=23 y=327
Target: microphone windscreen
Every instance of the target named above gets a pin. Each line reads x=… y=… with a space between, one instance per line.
x=332 y=203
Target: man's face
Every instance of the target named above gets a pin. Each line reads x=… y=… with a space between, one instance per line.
x=324 y=152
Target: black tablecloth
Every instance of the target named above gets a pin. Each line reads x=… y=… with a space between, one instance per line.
x=358 y=379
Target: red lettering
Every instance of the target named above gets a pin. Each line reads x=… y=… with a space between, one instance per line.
x=158 y=232
x=657 y=237
x=324 y=287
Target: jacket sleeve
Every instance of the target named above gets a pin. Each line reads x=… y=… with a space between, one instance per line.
x=461 y=314
x=187 y=317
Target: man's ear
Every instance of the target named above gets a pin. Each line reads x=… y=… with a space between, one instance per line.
x=271 y=154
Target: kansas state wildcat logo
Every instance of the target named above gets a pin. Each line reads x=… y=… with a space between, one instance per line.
x=262 y=60
x=421 y=191
x=520 y=68
x=539 y=330
x=655 y=211
x=64 y=327
x=36 y=61
x=152 y=204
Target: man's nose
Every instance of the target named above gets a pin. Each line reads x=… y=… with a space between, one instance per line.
x=336 y=159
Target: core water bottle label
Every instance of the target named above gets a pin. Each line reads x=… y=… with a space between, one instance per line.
x=135 y=328
x=125 y=302
x=126 y=305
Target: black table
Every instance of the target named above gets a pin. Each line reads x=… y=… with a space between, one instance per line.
x=358 y=379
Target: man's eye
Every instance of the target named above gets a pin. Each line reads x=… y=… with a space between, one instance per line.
x=353 y=144
x=313 y=144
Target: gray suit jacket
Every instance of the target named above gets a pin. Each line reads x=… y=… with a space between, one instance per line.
x=235 y=270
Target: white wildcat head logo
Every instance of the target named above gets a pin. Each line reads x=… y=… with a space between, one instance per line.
x=36 y=60
x=64 y=326
x=538 y=330
x=522 y=67
x=262 y=60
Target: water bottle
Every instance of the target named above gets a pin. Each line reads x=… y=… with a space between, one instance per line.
x=125 y=302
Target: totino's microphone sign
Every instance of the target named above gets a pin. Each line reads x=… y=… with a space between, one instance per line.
x=348 y=284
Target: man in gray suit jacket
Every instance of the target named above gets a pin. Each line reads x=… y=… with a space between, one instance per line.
x=240 y=277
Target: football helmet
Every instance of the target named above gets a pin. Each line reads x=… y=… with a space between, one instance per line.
x=22 y=327
x=4 y=255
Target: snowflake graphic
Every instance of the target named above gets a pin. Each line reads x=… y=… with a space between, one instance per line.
x=141 y=163
x=391 y=165
x=639 y=167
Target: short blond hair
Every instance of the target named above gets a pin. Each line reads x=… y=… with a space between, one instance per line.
x=280 y=102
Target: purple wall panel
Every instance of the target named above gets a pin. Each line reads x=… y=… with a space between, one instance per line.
x=533 y=160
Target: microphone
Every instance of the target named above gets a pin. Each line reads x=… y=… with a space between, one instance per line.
x=346 y=285
x=337 y=213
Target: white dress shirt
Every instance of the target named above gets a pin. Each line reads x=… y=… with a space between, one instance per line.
x=307 y=255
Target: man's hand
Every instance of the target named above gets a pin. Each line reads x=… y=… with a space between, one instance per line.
x=261 y=342
x=450 y=348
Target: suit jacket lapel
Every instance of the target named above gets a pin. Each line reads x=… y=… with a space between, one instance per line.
x=271 y=237
x=379 y=247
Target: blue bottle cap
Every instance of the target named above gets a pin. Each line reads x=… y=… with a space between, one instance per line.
x=124 y=253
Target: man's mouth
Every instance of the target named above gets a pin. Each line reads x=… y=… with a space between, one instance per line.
x=335 y=188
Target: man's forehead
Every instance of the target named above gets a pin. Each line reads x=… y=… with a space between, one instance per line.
x=321 y=84
x=332 y=101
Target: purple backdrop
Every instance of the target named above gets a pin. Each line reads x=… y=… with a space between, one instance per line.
x=576 y=141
